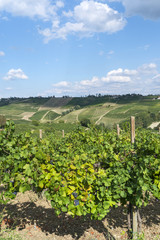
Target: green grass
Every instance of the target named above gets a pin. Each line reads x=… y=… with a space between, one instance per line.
x=16 y=111
x=69 y=118
x=125 y=111
x=109 y=122
x=104 y=109
x=92 y=112
x=22 y=126
x=38 y=115
x=51 y=115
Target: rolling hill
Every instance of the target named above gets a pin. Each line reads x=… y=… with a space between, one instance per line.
x=107 y=110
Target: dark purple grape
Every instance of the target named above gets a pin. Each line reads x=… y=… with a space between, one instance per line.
x=76 y=202
x=75 y=194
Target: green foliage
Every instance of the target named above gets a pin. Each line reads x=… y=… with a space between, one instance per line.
x=38 y=115
x=85 y=122
x=51 y=115
x=87 y=172
x=143 y=120
x=61 y=121
x=2 y=121
x=35 y=123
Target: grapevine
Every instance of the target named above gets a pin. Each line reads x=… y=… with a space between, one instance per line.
x=87 y=172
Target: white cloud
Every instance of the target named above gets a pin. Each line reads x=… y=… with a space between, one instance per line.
x=68 y=14
x=119 y=75
x=98 y=17
x=61 y=84
x=149 y=9
x=157 y=77
x=144 y=79
x=2 y=53
x=14 y=74
x=116 y=79
x=93 y=82
x=87 y=18
x=43 y=9
x=148 y=69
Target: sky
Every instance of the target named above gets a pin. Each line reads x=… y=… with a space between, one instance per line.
x=79 y=47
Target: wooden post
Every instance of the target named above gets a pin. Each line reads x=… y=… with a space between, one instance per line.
x=135 y=223
x=40 y=133
x=132 y=130
x=134 y=209
x=63 y=133
x=159 y=130
x=118 y=130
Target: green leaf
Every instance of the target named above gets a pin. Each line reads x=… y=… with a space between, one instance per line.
x=123 y=194
x=79 y=211
x=28 y=170
x=24 y=187
x=41 y=184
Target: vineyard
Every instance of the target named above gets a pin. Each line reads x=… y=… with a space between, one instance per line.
x=86 y=173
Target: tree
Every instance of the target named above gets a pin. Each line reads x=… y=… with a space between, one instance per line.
x=85 y=122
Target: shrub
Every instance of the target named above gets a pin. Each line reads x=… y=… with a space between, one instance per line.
x=2 y=121
x=85 y=122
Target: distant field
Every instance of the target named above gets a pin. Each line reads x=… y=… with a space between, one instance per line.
x=51 y=115
x=127 y=110
x=108 y=110
x=38 y=115
x=55 y=128
x=15 y=111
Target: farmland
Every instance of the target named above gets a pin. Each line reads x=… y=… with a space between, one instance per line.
x=70 y=159
x=106 y=110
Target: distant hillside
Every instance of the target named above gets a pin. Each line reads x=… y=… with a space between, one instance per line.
x=57 y=102
x=99 y=99
x=107 y=110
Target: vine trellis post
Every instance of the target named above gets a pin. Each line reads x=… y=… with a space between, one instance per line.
x=40 y=133
x=118 y=130
x=63 y=133
x=134 y=220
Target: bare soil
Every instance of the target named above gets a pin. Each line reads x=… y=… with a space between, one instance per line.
x=27 y=115
x=32 y=217
x=154 y=124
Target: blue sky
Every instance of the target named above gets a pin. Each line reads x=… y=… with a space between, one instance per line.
x=79 y=47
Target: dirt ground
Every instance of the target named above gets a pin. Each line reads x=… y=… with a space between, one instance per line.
x=27 y=115
x=33 y=218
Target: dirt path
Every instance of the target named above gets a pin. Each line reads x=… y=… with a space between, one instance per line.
x=33 y=218
x=78 y=112
x=104 y=115
x=154 y=124
x=44 y=116
x=27 y=115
